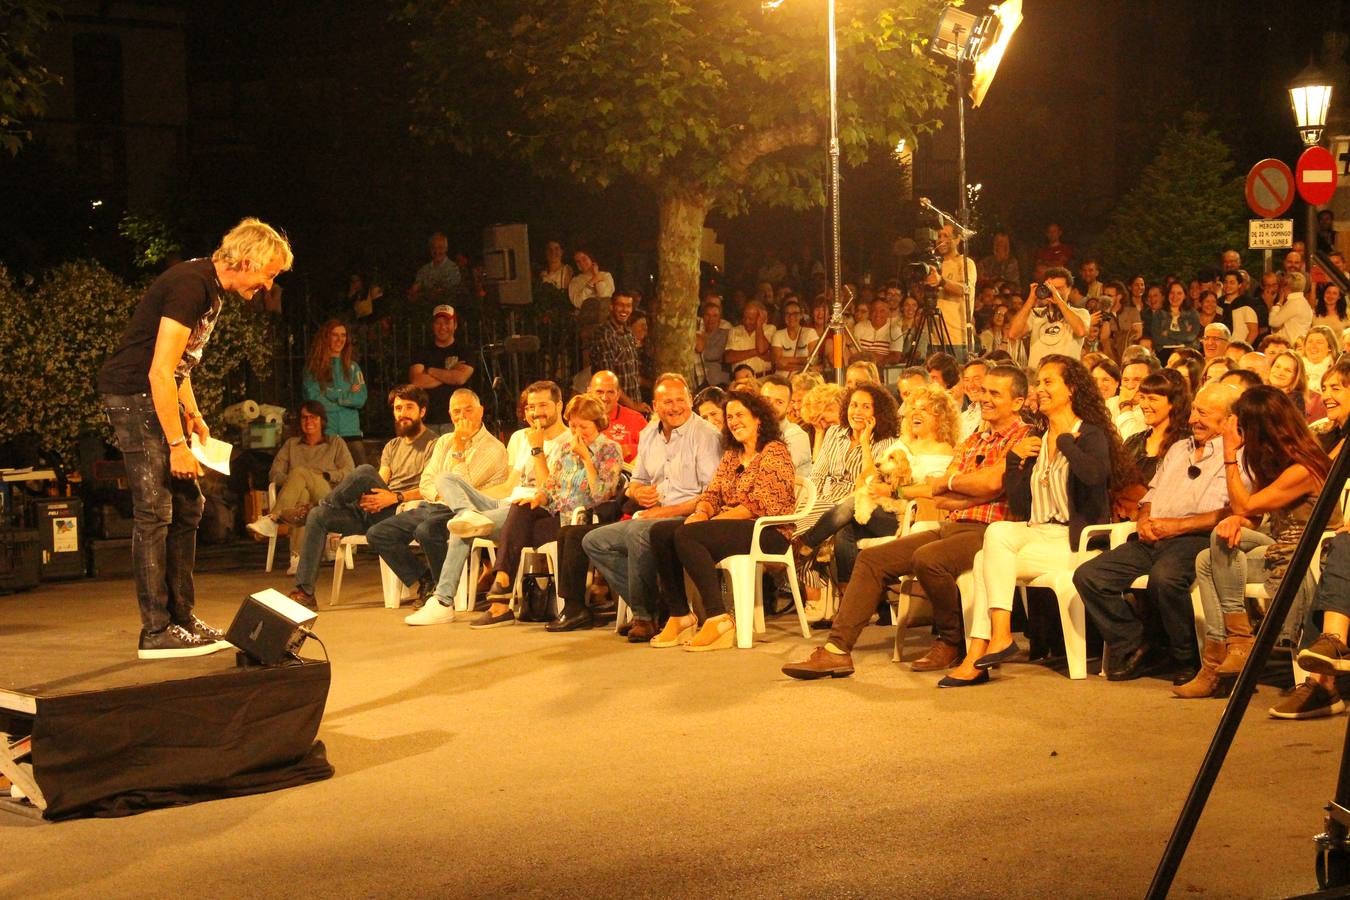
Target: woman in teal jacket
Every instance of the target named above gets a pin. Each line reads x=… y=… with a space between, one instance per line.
x=333 y=378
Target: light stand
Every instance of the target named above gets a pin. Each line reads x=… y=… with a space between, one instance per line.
x=981 y=40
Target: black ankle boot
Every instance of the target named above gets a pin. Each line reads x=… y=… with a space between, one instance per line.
x=573 y=617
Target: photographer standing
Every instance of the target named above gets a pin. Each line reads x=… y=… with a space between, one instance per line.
x=1055 y=326
x=956 y=289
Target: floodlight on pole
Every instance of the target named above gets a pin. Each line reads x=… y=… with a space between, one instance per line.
x=837 y=328
x=1310 y=95
x=979 y=41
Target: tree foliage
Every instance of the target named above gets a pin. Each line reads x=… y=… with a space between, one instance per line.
x=23 y=77
x=710 y=104
x=56 y=332
x=1187 y=208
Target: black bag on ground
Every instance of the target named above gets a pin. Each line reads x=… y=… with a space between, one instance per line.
x=538 y=590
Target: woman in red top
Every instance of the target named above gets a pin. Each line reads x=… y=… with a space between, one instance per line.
x=755 y=478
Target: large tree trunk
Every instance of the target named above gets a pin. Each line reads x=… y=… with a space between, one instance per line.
x=678 y=246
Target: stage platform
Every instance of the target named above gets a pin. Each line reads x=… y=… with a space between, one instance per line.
x=110 y=734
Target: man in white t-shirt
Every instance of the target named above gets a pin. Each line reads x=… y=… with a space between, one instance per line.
x=880 y=336
x=1054 y=324
x=791 y=353
x=1124 y=407
x=750 y=342
x=482 y=513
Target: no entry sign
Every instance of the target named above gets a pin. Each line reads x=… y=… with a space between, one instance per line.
x=1270 y=188
x=1316 y=175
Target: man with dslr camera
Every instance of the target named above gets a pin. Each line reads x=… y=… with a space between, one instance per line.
x=1054 y=324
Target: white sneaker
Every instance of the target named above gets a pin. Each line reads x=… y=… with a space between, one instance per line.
x=471 y=524
x=434 y=612
x=294 y=566
x=263 y=525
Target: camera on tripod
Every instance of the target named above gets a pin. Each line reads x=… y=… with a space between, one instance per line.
x=925 y=261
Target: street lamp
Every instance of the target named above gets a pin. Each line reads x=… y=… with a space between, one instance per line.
x=1310 y=95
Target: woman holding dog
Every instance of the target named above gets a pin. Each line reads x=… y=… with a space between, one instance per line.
x=1057 y=484
x=848 y=459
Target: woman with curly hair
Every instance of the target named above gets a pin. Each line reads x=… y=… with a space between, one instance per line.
x=1278 y=475
x=822 y=407
x=333 y=378
x=1056 y=485
x=848 y=458
x=754 y=478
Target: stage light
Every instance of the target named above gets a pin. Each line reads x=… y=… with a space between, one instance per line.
x=997 y=33
x=1310 y=95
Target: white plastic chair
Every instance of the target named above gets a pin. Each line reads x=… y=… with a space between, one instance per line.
x=392 y=589
x=747 y=589
x=1072 y=613
x=271 y=541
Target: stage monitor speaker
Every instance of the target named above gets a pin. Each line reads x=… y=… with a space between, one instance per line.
x=268 y=627
x=506 y=263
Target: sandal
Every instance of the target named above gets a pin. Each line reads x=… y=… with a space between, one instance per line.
x=718 y=633
x=679 y=630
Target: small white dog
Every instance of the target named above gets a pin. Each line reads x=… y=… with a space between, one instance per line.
x=895 y=472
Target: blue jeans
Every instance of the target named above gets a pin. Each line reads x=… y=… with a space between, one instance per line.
x=840 y=523
x=622 y=551
x=1333 y=590
x=165 y=511
x=458 y=495
x=392 y=540
x=339 y=511
x=1221 y=576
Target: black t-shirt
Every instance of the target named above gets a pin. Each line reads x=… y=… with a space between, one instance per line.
x=188 y=293
x=438 y=398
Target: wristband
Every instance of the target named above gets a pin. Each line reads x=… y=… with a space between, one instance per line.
x=1230 y=462
x=181 y=440
x=949 y=484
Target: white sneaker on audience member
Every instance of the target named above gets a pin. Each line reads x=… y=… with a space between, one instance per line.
x=263 y=525
x=434 y=612
x=295 y=564
x=471 y=524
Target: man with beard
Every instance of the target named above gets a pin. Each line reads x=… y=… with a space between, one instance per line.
x=482 y=513
x=369 y=495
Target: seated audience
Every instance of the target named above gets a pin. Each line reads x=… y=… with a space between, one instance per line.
x=1124 y=407
x=305 y=469
x=778 y=391
x=677 y=455
x=525 y=469
x=1165 y=404
x=1189 y=364
x=369 y=495
x=708 y=406
x=1279 y=476
x=580 y=475
x=972 y=491
x=749 y=343
x=1215 y=369
x=710 y=346
x=1106 y=375
x=861 y=371
x=754 y=478
x=474 y=454
x=1287 y=374
x=801 y=383
x=1292 y=315
x=793 y=343
x=822 y=409
x=1056 y=486
x=1319 y=352
x=625 y=424
x=1187 y=497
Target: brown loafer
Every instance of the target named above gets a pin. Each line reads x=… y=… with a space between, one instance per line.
x=941 y=655
x=641 y=631
x=821 y=664
x=304 y=598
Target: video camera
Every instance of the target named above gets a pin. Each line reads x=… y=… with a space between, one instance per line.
x=925 y=260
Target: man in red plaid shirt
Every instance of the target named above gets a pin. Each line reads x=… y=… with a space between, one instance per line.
x=972 y=491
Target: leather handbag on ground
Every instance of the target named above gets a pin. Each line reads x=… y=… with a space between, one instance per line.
x=538 y=590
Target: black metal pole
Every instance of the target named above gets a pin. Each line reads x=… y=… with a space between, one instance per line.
x=1246 y=682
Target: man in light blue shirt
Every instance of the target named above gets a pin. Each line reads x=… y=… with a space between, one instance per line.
x=1185 y=501
x=777 y=389
x=676 y=458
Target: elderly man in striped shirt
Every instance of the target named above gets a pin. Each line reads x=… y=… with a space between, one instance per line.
x=972 y=490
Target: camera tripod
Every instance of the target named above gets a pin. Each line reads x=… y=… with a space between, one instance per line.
x=838 y=329
x=930 y=325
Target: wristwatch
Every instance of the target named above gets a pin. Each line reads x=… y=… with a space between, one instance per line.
x=399 y=496
x=536 y=451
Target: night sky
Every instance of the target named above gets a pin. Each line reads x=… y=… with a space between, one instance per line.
x=297 y=113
